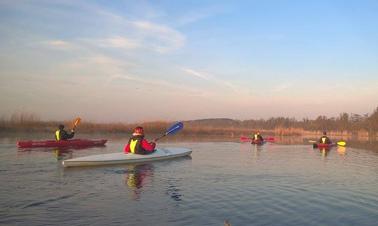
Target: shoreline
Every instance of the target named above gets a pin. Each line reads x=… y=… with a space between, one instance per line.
x=230 y=132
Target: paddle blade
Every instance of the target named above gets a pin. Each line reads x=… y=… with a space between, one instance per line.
x=245 y=139
x=76 y=122
x=175 y=128
x=341 y=143
x=312 y=141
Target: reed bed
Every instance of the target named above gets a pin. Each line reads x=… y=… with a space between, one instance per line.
x=344 y=126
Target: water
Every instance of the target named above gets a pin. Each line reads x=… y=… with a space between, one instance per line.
x=266 y=185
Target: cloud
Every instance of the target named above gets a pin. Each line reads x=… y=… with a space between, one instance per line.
x=59 y=44
x=218 y=82
x=162 y=85
x=95 y=67
x=119 y=42
x=201 y=13
x=140 y=35
x=158 y=37
x=119 y=30
x=196 y=73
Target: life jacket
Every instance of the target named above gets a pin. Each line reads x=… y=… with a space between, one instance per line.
x=135 y=143
x=57 y=135
x=324 y=140
x=256 y=136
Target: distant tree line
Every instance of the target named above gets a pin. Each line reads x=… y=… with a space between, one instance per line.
x=344 y=123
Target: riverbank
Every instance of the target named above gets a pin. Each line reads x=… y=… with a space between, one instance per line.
x=190 y=128
x=345 y=126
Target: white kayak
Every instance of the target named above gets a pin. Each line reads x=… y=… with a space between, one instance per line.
x=122 y=158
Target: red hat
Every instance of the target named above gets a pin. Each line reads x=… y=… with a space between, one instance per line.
x=138 y=131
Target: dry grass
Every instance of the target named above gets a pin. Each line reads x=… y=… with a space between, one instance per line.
x=30 y=123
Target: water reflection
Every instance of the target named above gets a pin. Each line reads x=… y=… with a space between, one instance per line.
x=59 y=153
x=137 y=176
x=324 y=151
x=341 y=150
x=256 y=149
x=62 y=154
x=174 y=192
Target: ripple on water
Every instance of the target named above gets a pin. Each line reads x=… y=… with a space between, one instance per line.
x=268 y=185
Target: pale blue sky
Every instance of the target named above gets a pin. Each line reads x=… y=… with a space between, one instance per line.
x=176 y=60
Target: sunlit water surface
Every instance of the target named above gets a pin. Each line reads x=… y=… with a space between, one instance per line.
x=248 y=185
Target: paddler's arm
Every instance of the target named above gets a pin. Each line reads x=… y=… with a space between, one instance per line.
x=65 y=136
x=148 y=146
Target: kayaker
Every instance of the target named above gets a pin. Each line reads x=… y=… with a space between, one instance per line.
x=138 y=145
x=257 y=137
x=61 y=134
x=324 y=139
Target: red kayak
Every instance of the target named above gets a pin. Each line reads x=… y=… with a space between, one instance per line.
x=258 y=142
x=325 y=146
x=77 y=143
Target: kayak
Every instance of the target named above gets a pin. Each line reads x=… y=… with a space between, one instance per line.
x=122 y=158
x=248 y=139
x=258 y=142
x=77 y=143
x=325 y=146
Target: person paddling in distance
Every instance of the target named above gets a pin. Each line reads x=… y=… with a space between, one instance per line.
x=257 y=137
x=61 y=134
x=324 y=139
x=138 y=145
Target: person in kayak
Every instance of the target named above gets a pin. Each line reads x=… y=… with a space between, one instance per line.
x=61 y=134
x=324 y=139
x=138 y=145
x=257 y=137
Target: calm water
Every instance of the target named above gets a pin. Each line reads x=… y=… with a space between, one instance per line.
x=267 y=185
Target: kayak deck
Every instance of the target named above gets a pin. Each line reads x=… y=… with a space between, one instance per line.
x=320 y=145
x=61 y=143
x=258 y=142
x=122 y=158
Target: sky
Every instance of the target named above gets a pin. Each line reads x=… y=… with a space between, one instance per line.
x=135 y=61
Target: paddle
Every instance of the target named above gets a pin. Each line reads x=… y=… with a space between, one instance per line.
x=245 y=139
x=172 y=130
x=76 y=123
x=340 y=143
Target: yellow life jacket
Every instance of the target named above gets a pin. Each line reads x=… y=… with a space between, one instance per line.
x=57 y=135
x=133 y=144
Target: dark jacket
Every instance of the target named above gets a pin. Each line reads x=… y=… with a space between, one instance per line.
x=325 y=140
x=257 y=137
x=61 y=134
